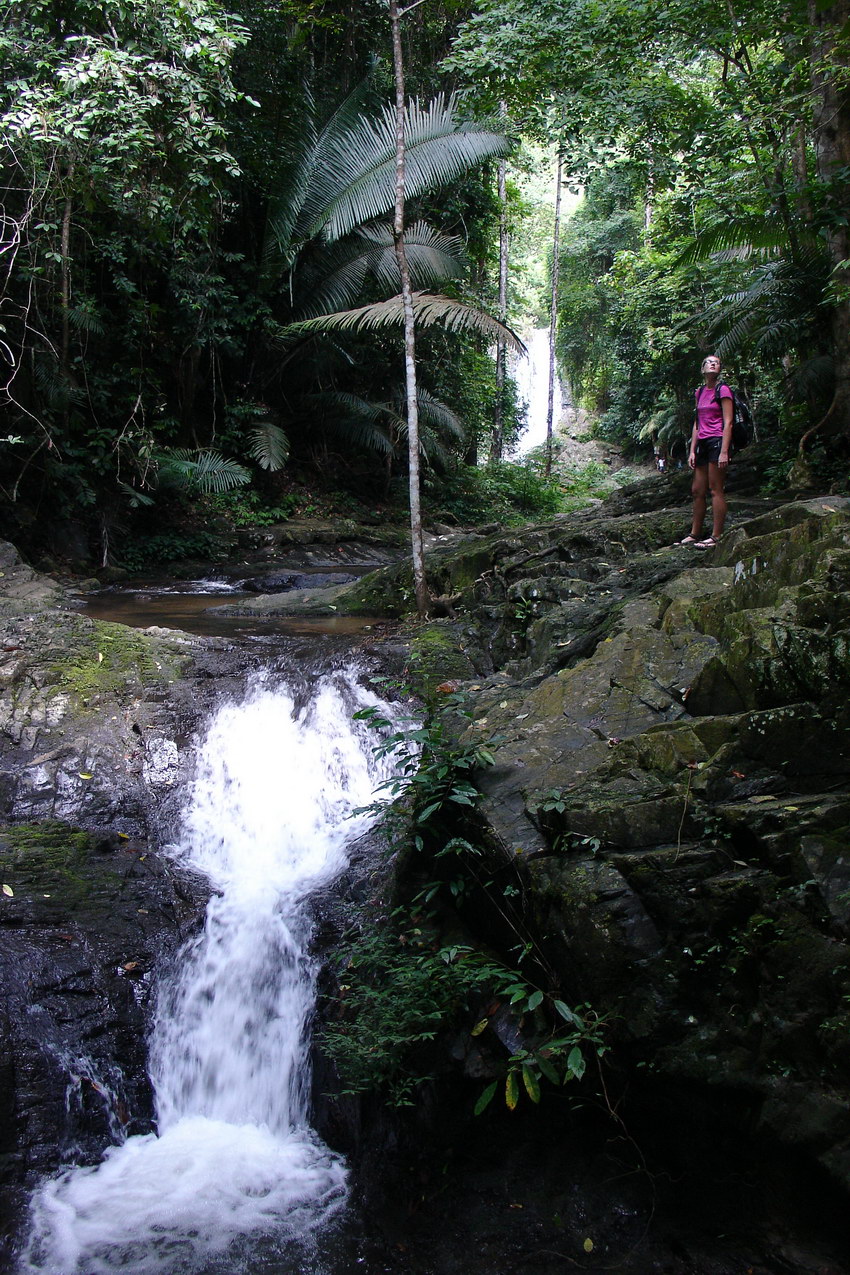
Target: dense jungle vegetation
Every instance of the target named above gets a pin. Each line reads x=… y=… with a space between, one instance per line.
x=192 y=188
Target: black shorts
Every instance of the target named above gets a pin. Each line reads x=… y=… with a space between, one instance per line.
x=707 y=451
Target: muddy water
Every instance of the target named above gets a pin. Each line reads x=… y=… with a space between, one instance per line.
x=189 y=607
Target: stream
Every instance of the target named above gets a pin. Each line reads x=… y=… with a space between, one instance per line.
x=267 y=819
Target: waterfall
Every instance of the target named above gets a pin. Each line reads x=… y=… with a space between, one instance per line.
x=268 y=819
x=531 y=373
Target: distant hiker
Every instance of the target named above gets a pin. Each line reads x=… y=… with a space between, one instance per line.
x=708 y=456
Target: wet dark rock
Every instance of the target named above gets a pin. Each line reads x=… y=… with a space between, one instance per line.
x=88 y=920
x=689 y=715
x=283 y=581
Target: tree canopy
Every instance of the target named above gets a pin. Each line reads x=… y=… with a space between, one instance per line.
x=199 y=267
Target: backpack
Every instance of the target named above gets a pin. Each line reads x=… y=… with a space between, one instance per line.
x=742 y=417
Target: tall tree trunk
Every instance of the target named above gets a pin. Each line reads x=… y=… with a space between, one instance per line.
x=497 y=442
x=553 y=314
x=419 y=583
x=65 y=302
x=830 y=66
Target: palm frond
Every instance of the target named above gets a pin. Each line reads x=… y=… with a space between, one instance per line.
x=204 y=471
x=268 y=446
x=741 y=236
x=83 y=319
x=439 y=416
x=312 y=146
x=136 y=498
x=344 y=403
x=370 y=253
x=356 y=181
x=357 y=423
x=429 y=309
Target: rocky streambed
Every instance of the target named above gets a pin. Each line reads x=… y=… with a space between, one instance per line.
x=670 y=787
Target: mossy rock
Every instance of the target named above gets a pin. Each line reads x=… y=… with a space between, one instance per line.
x=52 y=868
x=436 y=656
x=106 y=658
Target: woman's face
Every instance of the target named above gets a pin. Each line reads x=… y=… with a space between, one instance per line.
x=711 y=364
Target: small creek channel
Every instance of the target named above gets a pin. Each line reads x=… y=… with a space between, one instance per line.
x=192 y=605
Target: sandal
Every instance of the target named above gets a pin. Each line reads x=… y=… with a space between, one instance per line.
x=688 y=540
x=708 y=543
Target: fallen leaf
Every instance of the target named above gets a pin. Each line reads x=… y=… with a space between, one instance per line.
x=8 y=891
x=130 y=966
x=84 y=774
x=588 y=1245
x=100 y=657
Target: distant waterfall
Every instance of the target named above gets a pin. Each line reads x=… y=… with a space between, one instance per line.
x=268 y=821
x=531 y=374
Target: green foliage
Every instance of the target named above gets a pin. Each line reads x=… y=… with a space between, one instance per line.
x=153 y=551
x=398 y=991
x=400 y=986
x=432 y=768
x=714 y=175
x=207 y=472
x=505 y=491
x=246 y=508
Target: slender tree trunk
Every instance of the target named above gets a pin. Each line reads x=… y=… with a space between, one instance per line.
x=65 y=300
x=419 y=582
x=830 y=65
x=553 y=315
x=497 y=443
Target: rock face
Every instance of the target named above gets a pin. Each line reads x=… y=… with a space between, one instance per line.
x=93 y=719
x=85 y=919
x=283 y=581
x=672 y=752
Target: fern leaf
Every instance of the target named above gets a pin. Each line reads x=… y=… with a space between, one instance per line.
x=204 y=471
x=429 y=309
x=268 y=446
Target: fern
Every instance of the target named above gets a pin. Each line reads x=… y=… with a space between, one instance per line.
x=429 y=309
x=205 y=471
x=268 y=446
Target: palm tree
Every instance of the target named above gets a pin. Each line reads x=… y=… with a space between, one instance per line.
x=327 y=235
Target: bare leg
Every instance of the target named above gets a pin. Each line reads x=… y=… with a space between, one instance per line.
x=699 y=491
x=717 y=483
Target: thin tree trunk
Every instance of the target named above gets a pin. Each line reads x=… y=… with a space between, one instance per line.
x=553 y=315
x=497 y=442
x=830 y=64
x=419 y=582
x=65 y=299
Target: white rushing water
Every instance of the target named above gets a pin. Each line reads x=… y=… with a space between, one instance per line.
x=268 y=821
x=531 y=374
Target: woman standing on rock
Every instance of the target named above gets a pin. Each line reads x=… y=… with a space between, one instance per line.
x=708 y=455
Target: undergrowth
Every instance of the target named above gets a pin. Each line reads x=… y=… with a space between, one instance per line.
x=402 y=989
